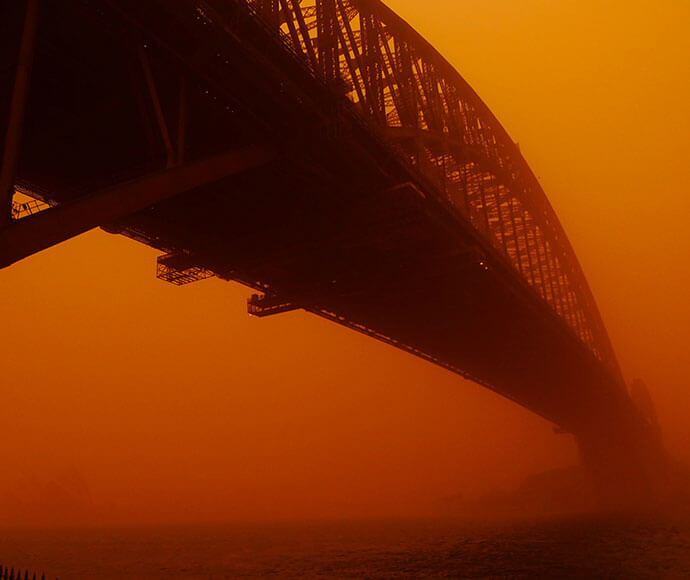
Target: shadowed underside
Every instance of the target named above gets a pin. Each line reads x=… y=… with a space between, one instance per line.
x=322 y=153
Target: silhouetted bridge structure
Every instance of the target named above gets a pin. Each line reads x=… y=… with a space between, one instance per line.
x=323 y=153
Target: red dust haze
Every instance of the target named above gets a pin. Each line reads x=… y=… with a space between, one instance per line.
x=127 y=399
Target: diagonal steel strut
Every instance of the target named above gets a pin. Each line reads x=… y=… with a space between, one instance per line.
x=42 y=230
x=15 y=121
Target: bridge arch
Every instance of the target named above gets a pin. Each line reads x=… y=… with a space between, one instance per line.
x=416 y=100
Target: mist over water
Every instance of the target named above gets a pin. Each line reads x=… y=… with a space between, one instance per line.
x=636 y=547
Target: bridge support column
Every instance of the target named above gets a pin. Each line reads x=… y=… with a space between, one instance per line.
x=627 y=466
x=15 y=121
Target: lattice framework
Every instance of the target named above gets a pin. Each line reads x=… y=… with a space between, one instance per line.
x=408 y=91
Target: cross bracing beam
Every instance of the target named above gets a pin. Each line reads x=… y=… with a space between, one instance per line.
x=498 y=217
x=400 y=82
x=37 y=232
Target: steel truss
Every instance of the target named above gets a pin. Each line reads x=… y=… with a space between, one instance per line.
x=415 y=98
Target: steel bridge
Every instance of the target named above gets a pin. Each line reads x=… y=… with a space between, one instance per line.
x=321 y=152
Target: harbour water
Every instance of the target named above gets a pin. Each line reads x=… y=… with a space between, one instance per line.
x=611 y=547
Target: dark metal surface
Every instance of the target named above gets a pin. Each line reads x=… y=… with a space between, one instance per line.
x=396 y=204
x=17 y=107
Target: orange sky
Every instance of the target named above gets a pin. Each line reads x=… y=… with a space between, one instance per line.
x=173 y=404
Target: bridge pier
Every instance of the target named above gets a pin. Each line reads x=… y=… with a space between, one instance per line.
x=627 y=466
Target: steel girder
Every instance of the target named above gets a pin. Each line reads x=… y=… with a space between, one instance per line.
x=407 y=90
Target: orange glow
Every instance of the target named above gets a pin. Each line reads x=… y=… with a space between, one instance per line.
x=174 y=405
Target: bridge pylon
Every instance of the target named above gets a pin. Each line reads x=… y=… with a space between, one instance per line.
x=625 y=456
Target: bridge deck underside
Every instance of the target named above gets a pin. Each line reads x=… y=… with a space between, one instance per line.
x=335 y=225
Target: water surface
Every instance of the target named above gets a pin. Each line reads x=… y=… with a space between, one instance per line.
x=564 y=547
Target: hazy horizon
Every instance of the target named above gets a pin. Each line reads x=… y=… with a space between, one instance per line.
x=172 y=404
